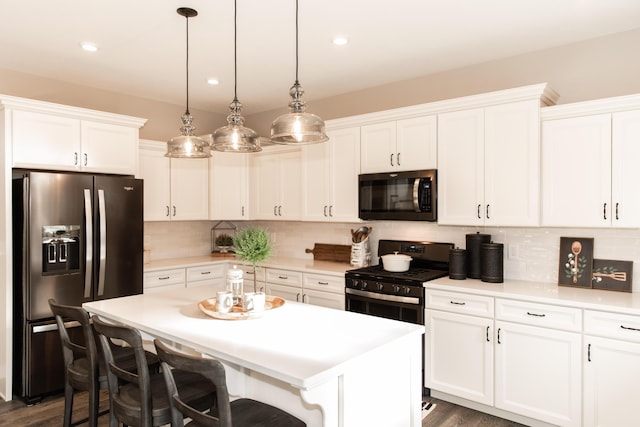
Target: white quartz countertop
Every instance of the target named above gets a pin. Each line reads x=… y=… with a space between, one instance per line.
x=305 y=265
x=301 y=344
x=546 y=293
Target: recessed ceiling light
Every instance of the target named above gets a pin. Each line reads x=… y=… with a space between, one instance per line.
x=89 y=47
x=213 y=81
x=340 y=40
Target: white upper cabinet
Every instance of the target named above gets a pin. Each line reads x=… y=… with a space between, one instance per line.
x=402 y=145
x=276 y=190
x=174 y=189
x=488 y=165
x=330 y=177
x=57 y=137
x=229 y=186
x=589 y=164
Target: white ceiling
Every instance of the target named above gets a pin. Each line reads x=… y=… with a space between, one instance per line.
x=142 y=43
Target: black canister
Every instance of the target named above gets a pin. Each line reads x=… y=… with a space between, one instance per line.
x=458 y=264
x=491 y=261
x=473 y=253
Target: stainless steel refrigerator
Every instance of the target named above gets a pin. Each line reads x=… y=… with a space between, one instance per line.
x=76 y=237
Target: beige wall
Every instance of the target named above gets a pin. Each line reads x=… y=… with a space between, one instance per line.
x=163 y=119
x=598 y=68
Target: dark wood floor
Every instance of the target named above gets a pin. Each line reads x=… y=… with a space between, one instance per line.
x=49 y=413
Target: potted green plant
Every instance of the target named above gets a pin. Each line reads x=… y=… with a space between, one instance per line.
x=252 y=245
x=224 y=242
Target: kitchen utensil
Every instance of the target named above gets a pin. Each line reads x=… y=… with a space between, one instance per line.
x=396 y=262
x=329 y=252
x=616 y=275
x=576 y=248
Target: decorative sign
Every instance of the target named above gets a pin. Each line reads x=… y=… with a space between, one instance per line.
x=576 y=261
x=612 y=275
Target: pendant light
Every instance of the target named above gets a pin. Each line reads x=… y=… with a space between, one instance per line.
x=234 y=137
x=187 y=144
x=297 y=127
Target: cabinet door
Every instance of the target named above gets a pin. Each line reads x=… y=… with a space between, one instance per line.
x=459 y=355
x=461 y=167
x=378 y=148
x=345 y=168
x=417 y=143
x=45 y=141
x=323 y=299
x=264 y=185
x=625 y=173
x=108 y=148
x=611 y=378
x=290 y=293
x=229 y=186
x=538 y=373
x=154 y=169
x=189 y=189
x=512 y=164
x=576 y=171
x=317 y=181
x=290 y=205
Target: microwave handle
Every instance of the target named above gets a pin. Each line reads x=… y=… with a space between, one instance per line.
x=416 y=194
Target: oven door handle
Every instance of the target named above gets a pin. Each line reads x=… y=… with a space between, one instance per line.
x=384 y=297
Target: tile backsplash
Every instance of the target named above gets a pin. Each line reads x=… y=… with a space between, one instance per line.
x=530 y=254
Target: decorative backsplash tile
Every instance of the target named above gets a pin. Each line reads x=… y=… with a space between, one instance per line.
x=531 y=254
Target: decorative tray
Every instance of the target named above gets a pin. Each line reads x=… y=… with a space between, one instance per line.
x=208 y=307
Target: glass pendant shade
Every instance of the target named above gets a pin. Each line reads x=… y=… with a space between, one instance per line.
x=187 y=144
x=234 y=137
x=297 y=127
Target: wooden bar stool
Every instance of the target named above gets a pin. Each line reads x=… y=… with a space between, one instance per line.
x=138 y=396
x=239 y=413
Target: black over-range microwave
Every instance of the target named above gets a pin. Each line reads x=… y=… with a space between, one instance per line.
x=407 y=196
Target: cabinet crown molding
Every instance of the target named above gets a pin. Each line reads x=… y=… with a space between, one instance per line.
x=541 y=92
x=598 y=106
x=16 y=103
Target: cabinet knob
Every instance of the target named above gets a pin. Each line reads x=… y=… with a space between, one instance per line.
x=331 y=211
x=174 y=210
x=604 y=211
x=487 y=213
x=398 y=159
x=85 y=159
x=75 y=158
x=325 y=210
x=280 y=210
x=391 y=159
x=168 y=212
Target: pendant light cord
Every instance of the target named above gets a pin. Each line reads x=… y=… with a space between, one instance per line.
x=187 y=63
x=297 y=82
x=235 y=50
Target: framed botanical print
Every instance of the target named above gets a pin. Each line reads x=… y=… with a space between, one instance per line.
x=612 y=275
x=575 y=261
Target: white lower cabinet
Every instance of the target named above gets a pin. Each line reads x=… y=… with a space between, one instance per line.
x=611 y=369
x=308 y=288
x=163 y=280
x=212 y=275
x=524 y=358
x=459 y=345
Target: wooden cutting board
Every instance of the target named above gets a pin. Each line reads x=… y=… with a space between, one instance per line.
x=328 y=252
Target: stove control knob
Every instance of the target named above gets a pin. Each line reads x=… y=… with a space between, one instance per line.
x=407 y=290
x=396 y=289
x=364 y=285
x=380 y=286
x=353 y=283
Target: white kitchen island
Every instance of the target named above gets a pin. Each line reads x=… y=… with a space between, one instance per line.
x=327 y=367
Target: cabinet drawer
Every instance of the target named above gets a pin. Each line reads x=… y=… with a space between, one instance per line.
x=155 y=279
x=248 y=273
x=205 y=272
x=475 y=305
x=612 y=325
x=284 y=277
x=548 y=316
x=334 y=284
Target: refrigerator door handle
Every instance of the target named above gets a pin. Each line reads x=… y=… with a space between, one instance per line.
x=89 y=246
x=103 y=241
x=54 y=327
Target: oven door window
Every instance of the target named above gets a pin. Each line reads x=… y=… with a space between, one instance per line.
x=412 y=313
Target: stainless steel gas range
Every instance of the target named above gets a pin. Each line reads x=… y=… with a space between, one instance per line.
x=397 y=295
